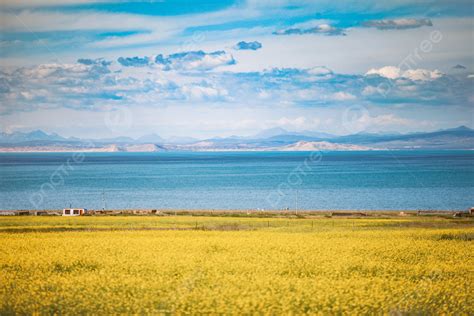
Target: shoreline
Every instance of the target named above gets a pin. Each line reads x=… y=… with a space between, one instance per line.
x=251 y=213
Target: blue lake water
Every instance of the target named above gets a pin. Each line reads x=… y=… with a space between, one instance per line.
x=384 y=180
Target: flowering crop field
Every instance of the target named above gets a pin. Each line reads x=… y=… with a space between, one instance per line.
x=221 y=265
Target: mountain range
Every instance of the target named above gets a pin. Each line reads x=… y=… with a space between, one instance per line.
x=272 y=139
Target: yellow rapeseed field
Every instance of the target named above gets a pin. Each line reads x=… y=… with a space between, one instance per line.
x=216 y=265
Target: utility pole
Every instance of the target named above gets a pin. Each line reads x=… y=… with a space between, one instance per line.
x=296 y=202
x=104 y=202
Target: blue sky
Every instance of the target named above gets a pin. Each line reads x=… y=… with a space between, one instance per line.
x=219 y=68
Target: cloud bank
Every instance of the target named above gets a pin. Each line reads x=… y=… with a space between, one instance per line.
x=194 y=60
x=93 y=84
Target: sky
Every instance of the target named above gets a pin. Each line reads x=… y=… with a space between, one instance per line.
x=202 y=69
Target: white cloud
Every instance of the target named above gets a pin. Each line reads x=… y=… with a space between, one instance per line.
x=422 y=74
x=294 y=123
x=388 y=122
x=45 y=70
x=364 y=122
x=198 y=92
x=343 y=96
x=371 y=90
x=263 y=94
x=389 y=119
x=392 y=72
x=195 y=60
x=35 y=94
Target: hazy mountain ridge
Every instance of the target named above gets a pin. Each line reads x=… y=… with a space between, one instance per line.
x=455 y=138
x=313 y=146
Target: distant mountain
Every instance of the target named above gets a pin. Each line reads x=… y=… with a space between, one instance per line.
x=317 y=134
x=461 y=128
x=455 y=138
x=37 y=135
x=150 y=138
x=460 y=137
x=312 y=146
x=142 y=148
x=293 y=138
x=72 y=148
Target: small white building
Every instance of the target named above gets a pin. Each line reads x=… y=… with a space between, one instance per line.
x=74 y=211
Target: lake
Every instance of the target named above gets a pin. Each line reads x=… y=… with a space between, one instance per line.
x=373 y=180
